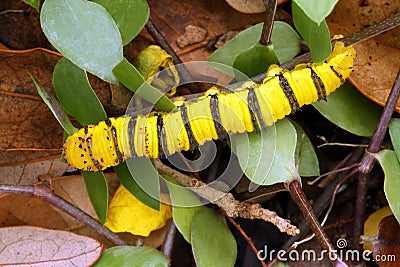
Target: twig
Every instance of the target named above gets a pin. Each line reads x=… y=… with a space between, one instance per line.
x=270 y=9
x=368 y=160
x=11 y=11
x=304 y=205
x=168 y=246
x=232 y=207
x=63 y=205
x=248 y=239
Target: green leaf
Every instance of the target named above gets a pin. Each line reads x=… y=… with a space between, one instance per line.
x=212 y=241
x=84 y=33
x=55 y=108
x=97 y=189
x=75 y=93
x=316 y=10
x=130 y=16
x=129 y=76
x=268 y=158
x=125 y=256
x=316 y=35
x=78 y=98
x=394 y=131
x=391 y=167
x=146 y=177
x=185 y=205
x=285 y=41
x=351 y=111
x=33 y=3
x=309 y=165
x=255 y=60
x=126 y=179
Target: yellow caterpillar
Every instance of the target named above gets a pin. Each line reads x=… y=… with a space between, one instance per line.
x=252 y=107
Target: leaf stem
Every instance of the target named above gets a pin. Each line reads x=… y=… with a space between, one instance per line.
x=63 y=205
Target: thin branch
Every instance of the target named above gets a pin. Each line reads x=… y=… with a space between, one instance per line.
x=270 y=9
x=368 y=160
x=248 y=239
x=304 y=205
x=232 y=207
x=63 y=205
x=168 y=246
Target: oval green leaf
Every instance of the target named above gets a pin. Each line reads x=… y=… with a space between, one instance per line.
x=351 y=111
x=125 y=256
x=97 y=189
x=85 y=33
x=268 y=158
x=316 y=10
x=130 y=16
x=146 y=177
x=285 y=41
x=185 y=204
x=212 y=242
x=394 y=131
x=316 y=35
x=126 y=179
x=308 y=162
x=76 y=94
x=55 y=107
x=391 y=167
x=255 y=60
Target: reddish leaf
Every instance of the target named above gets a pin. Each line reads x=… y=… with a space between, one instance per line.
x=30 y=246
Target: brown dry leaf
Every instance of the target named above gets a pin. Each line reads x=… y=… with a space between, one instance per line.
x=34 y=246
x=28 y=129
x=378 y=59
x=29 y=172
x=250 y=6
x=387 y=251
x=25 y=121
x=20 y=26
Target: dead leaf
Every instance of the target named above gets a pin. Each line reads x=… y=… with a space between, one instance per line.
x=127 y=214
x=250 y=6
x=378 y=59
x=372 y=222
x=34 y=246
x=28 y=172
x=28 y=129
x=387 y=250
x=20 y=27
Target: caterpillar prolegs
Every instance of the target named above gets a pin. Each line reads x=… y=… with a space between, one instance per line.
x=252 y=107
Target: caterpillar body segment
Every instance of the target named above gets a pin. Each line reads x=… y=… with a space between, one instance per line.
x=252 y=107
